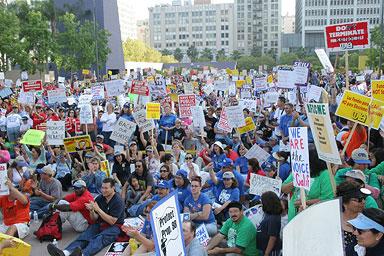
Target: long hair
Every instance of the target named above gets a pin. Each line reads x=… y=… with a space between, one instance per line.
x=316 y=165
x=271 y=203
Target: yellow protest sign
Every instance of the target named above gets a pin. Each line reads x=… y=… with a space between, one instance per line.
x=33 y=137
x=110 y=72
x=235 y=72
x=249 y=126
x=21 y=248
x=248 y=79
x=104 y=167
x=174 y=97
x=270 y=79
x=171 y=87
x=153 y=110
x=195 y=84
x=86 y=72
x=355 y=107
x=78 y=143
x=378 y=89
x=229 y=71
x=240 y=83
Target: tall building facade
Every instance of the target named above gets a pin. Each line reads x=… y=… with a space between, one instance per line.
x=181 y=26
x=288 y=24
x=143 y=31
x=127 y=19
x=313 y=15
x=258 y=26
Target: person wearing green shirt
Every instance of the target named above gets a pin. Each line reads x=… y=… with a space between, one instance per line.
x=239 y=232
x=321 y=185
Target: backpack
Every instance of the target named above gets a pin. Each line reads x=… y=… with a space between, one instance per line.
x=50 y=228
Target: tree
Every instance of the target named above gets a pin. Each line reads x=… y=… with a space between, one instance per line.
x=256 y=51
x=236 y=55
x=192 y=53
x=250 y=62
x=136 y=50
x=221 y=55
x=287 y=58
x=178 y=54
x=48 y=9
x=166 y=52
x=207 y=54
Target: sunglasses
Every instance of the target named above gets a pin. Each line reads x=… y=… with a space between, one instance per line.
x=227 y=179
x=188 y=158
x=360 y=231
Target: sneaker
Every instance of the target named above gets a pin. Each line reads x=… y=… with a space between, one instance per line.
x=54 y=251
x=76 y=252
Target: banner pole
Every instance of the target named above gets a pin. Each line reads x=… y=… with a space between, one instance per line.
x=303 y=198
x=332 y=177
x=346 y=70
x=349 y=139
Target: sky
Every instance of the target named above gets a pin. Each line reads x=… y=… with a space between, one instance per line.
x=288 y=6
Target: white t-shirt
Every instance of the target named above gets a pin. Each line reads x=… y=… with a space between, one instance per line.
x=13 y=120
x=108 y=121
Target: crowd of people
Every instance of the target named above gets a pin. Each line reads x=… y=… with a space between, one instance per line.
x=207 y=167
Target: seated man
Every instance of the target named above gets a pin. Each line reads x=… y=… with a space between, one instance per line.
x=239 y=232
x=94 y=177
x=48 y=191
x=15 y=210
x=192 y=244
x=108 y=212
x=72 y=207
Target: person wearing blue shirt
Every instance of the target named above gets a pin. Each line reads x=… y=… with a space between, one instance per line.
x=94 y=178
x=302 y=121
x=126 y=113
x=200 y=207
x=217 y=155
x=167 y=123
x=286 y=120
x=241 y=163
x=181 y=184
x=285 y=167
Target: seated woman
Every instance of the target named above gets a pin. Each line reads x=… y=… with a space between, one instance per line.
x=200 y=208
x=165 y=175
x=131 y=192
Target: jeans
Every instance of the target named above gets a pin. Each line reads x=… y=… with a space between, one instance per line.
x=13 y=133
x=39 y=205
x=93 y=240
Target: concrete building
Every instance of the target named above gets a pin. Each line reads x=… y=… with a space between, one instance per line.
x=204 y=26
x=196 y=2
x=313 y=15
x=258 y=26
x=127 y=19
x=288 y=24
x=143 y=31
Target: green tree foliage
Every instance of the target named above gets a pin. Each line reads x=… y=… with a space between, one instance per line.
x=221 y=55
x=207 y=54
x=136 y=50
x=236 y=55
x=287 y=58
x=178 y=54
x=192 y=53
x=250 y=62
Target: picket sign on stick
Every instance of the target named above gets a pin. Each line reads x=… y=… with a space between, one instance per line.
x=166 y=138
x=331 y=176
x=346 y=70
x=303 y=198
x=349 y=139
x=278 y=169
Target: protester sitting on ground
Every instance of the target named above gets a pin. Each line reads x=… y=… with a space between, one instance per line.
x=190 y=167
x=253 y=167
x=16 y=170
x=145 y=179
x=182 y=185
x=133 y=154
x=15 y=211
x=121 y=169
x=178 y=132
x=285 y=167
x=368 y=228
x=107 y=149
x=168 y=160
x=72 y=207
x=94 y=176
x=152 y=158
x=108 y=213
x=131 y=192
x=62 y=163
x=239 y=233
x=216 y=156
x=48 y=191
x=165 y=175
x=178 y=153
x=191 y=242
x=34 y=156
x=199 y=206
x=241 y=163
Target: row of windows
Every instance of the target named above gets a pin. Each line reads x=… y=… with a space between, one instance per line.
x=368 y=11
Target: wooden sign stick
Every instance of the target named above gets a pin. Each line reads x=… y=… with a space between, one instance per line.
x=349 y=139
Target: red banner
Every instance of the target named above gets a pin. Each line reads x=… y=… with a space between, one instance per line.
x=36 y=85
x=347 y=36
x=41 y=127
x=185 y=104
x=140 y=88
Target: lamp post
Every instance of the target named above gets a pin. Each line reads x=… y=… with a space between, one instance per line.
x=381 y=37
x=96 y=43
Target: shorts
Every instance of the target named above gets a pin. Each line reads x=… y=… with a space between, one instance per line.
x=22 y=229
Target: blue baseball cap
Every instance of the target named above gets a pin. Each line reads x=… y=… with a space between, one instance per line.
x=182 y=173
x=162 y=184
x=226 y=162
x=364 y=223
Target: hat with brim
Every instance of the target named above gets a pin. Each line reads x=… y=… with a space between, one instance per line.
x=182 y=173
x=219 y=144
x=20 y=162
x=79 y=184
x=277 y=157
x=356 y=174
x=46 y=170
x=100 y=136
x=226 y=162
x=162 y=184
x=360 y=156
x=365 y=223
x=118 y=153
x=228 y=175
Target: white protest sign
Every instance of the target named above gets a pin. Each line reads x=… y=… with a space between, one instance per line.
x=303 y=93
x=235 y=116
x=2 y=76
x=249 y=104
x=255 y=214
x=314 y=93
x=292 y=96
x=97 y=92
x=55 y=132
x=86 y=115
x=321 y=127
x=188 y=88
x=301 y=70
x=286 y=77
x=114 y=87
x=57 y=96
x=61 y=79
x=257 y=152
x=232 y=89
x=260 y=184
x=47 y=78
x=323 y=57
x=167 y=227
x=141 y=120
x=4 y=189
x=202 y=235
x=360 y=78
x=223 y=122
x=246 y=93
x=271 y=97
x=123 y=130
x=260 y=83
x=185 y=104
x=221 y=85
x=84 y=99
x=300 y=238
x=298 y=142
x=198 y=117
x=208 y=89
x=26 y=97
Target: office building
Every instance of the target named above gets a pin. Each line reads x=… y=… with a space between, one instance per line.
x=288 y=24
x=127 y=19
x=143 y=31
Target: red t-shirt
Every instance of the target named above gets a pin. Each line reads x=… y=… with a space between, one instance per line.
x=14 y=211
x=259 y=172
x=54 y=117
x=232 y=155
x=36 y=119
x=77 y=204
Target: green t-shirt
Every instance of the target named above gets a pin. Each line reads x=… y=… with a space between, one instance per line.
x=242 y=235
x=321 y=188
x=370 y=175
x=370 y=202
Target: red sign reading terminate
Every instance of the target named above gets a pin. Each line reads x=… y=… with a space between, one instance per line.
x=347 y=36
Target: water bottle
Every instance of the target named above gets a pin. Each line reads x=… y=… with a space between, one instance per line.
x=35 y=217
x=54 y=242
x=133 y=244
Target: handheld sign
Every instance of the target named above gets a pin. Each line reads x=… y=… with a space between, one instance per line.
x=198 y=117
x=298 y=141
x=21 y=248
x=255 y=214
x=235 y=116
x=223 y=122
x=123 y=130
x=167 y=228
x=324 y=60
x=202 y=235
x=78 y=143
x=153 y=110
x=141 y=120
x=286 y=77
x=249 y=126
x=185 y=104
x=4 y=189
x=36 y=85
x=114 y=87
x=33 y=137
x=86 y=114
x=55 y=132
x=260 y=184
x=57 y=96
x=257 y=152
x=378 y=89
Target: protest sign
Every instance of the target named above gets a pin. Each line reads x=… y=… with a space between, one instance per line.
x=260 y=184
x=249 y=104
x=322 y=131
x=314 y=93
x=55 y=132
x=167 y=227
x=286 y=77
x=141 y=120
x=185 y=104
x=378 y=89
x=5 y=92
x=202 y=235
x=301 y=70
x=232 y=89
x=123 y=130
x=86 y=72
x=188 y=88
x=86 y=114
x=20 y=248
x=221 y=85
x=198 y=117
x=223 y=122
x=104 y=167
x=300 y=238
x=84 y=99
x=257 y=152
x=271 y=97
x=97 y=92
x=61 y=79
x=36 y=85
x=26 y=97
x=33 y=137
x=260 y=82
x=355 y=107
x=235 y=116
x=116 y=249
x=140 y=88
x=57 y=96
x=298 y=142
x=47 y=78
x=41 y=127
x=323 y=57
x=78 y=143
x=4 y=189
x=153 y=110
x=255 y=214
x=347 y=36
x=114 y=87
x=303 y=94
x=249 y=126
x=157 y=89
x=245 y=93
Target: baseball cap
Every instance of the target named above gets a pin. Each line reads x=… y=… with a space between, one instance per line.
x=117 y=153
x=228 y=175
x=127 y=105
x=363 y=222
x=24 y=118
x=79 y=184
x=20 y=161
x=360 y=156
x=226 y=162
x=47 y=170
x=100 y=136
x=132 y=142
x=181 y=173
x=356 y=174
x=162 y=184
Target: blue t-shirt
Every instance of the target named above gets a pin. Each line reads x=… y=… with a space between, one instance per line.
x=147 y=229
x=239 y=178
x=225 y=194
x=182 y=194
x=197 y=206
x=168 y=120
x=128 y=117
x=285 y=122
x=285 y=170
x=242 y=162
x=217 y=160
x=94 y=181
